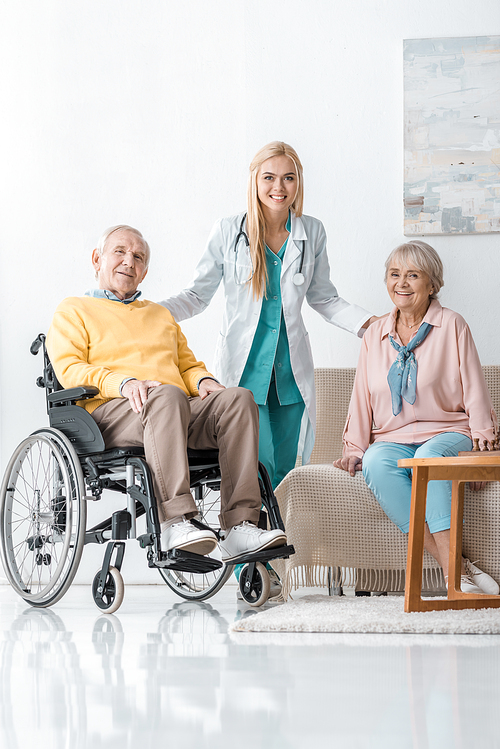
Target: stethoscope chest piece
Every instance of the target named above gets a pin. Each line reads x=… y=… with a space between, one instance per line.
x=298 y=279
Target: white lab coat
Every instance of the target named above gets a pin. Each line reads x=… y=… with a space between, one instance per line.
x=220 y=262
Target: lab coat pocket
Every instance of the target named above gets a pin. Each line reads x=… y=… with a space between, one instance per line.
x=302 y=365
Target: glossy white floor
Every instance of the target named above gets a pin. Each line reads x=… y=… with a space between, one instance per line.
x=166 y=673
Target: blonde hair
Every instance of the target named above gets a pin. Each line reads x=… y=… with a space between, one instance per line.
x=256 y=225
x=423 y=257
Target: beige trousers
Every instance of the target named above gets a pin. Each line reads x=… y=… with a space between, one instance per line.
x=169 y=423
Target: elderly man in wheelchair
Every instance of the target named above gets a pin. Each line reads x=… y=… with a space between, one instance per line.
x=127 y=370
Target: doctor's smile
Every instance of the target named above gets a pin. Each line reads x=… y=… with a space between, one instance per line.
x=277 y=183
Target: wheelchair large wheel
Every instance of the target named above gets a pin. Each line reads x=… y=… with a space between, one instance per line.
x=199 y=587
x=42 y=517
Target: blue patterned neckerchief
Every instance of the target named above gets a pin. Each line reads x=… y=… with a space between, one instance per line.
x=402 y=377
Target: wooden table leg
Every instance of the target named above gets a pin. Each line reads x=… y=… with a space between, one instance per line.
x=415 y=560
x=460 y=469
x=456 y=538
x=462 y=600
x=415 y=557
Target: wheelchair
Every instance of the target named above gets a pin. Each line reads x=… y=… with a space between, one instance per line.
x=57 y=470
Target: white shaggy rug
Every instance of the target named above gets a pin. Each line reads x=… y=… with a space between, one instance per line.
x=380 y=614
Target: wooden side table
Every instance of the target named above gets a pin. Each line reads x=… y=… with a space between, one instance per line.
x=481 y=466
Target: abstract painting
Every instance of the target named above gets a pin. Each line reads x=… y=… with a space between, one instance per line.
x=452 y=135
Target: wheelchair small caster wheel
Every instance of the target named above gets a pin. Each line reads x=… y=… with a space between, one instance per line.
x=110 y=599
x=255 y=591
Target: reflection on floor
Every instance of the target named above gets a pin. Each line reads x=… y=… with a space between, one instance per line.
x=163 y=672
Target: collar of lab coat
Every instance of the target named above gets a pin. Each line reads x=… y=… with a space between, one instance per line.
x=297 y=229
x=295 y=242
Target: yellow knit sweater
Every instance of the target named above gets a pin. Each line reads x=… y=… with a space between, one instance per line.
x=99 y=342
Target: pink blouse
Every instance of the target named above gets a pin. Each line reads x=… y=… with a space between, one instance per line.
x=452 y=395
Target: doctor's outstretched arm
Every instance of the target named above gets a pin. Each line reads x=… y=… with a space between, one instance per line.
x=323 y=297
x=208 y=275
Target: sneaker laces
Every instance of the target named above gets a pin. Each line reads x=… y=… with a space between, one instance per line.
x=185 y=524
x=467 y=578
x=468 y=567
x=245 y=526
x=179 y=522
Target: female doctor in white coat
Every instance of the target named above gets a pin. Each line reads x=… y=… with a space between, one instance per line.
x=269 y=259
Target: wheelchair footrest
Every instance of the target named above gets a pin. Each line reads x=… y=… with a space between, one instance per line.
x=266 y=555
x=186 y=561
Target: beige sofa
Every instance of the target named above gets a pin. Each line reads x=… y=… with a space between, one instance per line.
x=339 y=531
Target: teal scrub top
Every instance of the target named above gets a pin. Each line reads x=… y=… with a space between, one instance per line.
x=269 y=356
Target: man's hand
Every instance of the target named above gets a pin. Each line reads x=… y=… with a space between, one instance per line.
x=476 y=486
x=351 y=464
x=208 y=386
x=137 y=392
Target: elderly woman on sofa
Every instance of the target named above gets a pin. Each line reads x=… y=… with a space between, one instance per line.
x=419 y=392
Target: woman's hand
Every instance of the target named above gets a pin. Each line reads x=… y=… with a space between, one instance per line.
x=351 y=464
x=476 y=486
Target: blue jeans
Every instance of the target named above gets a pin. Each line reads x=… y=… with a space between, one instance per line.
x=392 y=485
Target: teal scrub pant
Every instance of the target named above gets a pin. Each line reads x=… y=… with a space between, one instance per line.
x=392 y=484
x=279 y=430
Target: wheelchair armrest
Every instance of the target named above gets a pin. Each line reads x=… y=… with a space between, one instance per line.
x=72 y=395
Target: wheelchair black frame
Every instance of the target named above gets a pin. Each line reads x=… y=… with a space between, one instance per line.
x=96 y=462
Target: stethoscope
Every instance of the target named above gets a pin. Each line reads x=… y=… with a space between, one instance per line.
x=298 y=279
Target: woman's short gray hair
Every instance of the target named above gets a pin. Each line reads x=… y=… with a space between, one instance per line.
x=123 y=227
x=421 y=256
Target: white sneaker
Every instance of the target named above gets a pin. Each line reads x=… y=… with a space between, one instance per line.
x=184 y=535
x=467 y=585
x=482 y=579
x=246 y=538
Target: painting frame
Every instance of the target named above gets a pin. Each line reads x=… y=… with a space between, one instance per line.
x=451 y=135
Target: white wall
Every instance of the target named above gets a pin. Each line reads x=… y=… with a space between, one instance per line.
x=149 y=113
